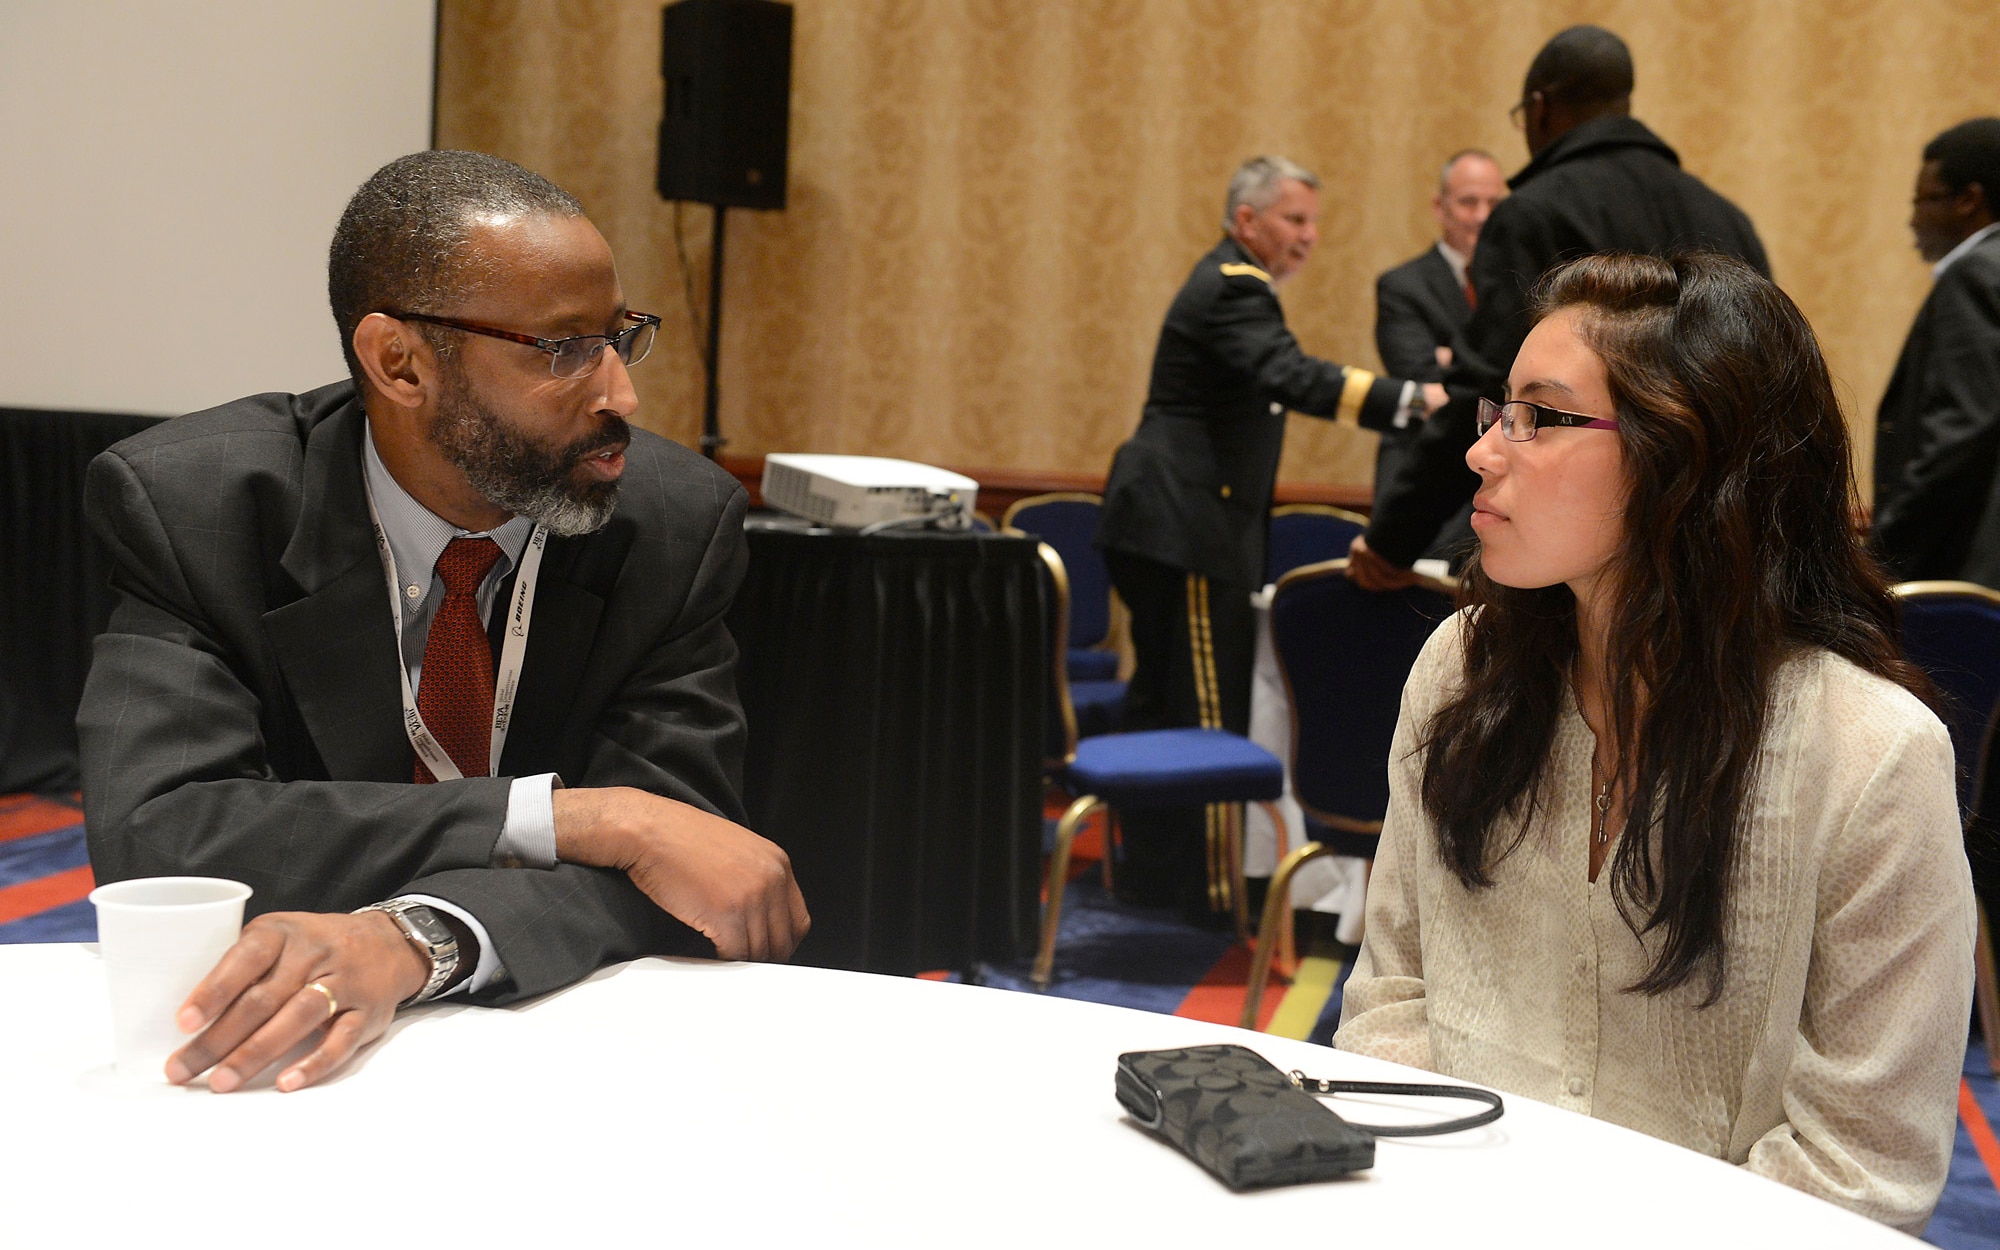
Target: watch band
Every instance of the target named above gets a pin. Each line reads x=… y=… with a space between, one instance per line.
x=433 y=939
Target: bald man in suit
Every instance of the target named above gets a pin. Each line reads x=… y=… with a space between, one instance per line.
x=1423 y=306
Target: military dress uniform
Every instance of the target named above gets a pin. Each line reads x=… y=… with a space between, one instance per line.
x=1186 y=516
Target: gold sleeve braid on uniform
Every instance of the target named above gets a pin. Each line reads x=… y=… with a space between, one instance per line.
x=1352 y=393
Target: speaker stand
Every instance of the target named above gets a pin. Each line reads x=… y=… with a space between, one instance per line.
x=711 y=429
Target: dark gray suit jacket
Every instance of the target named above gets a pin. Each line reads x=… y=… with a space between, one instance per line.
x=1419 y=307
x=242 y=717
x=1937 y=435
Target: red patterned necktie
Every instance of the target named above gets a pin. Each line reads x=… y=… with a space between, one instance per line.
x=455 y=690
x=1470 y=298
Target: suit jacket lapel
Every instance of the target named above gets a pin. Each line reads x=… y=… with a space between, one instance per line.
x=1450 y=295
x=336 y=644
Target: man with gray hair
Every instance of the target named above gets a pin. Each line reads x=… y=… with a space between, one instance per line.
x=1187 y=507
x=365 y=634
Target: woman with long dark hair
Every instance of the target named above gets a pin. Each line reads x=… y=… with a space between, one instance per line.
x=1672 y=836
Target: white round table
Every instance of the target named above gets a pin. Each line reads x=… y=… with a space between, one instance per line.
x=688 y=1103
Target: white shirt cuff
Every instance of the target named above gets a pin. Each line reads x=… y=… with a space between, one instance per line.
x=528 y=835
x=1402 y=421
x=488 y=968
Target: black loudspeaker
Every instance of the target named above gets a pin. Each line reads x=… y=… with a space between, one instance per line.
x=728 y=66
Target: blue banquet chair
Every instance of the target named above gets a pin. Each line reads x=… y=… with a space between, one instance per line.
x=1951 y=630
x=1309 y=533
x=1124 y=771
x=1345 y=653
x=1066 y=520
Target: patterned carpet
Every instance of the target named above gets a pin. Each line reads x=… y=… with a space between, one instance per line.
x=1106 y=952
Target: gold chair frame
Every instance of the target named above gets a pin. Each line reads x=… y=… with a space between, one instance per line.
x=1319 y=509
x=1054 y=496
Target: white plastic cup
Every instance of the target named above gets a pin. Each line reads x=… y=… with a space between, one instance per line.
x=158 y=937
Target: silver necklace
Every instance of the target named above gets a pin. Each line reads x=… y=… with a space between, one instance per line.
x=1602 y=802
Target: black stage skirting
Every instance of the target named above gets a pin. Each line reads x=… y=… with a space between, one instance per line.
x=893 y=686
x=54 y=590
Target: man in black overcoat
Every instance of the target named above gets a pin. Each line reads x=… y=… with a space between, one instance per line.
x=1937 y=434
x=1596 y=181
x=1187 y=505
x=1423 y=306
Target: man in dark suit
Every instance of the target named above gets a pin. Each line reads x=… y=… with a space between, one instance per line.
x=1423 y=306
x=1937 y=435
x=1596 y=181
x=363 y=635
x=1187 y=505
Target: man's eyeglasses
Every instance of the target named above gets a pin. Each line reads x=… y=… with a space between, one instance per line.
x=570 y=357
x=1519 y=419
x=1518 y=112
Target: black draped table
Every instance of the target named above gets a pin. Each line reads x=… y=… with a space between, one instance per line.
x=55 y=593
x=893 y=685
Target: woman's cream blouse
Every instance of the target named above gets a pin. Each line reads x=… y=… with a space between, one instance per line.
x=1830 y=1063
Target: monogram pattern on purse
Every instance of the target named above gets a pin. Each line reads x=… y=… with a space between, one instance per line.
x=1229 y=1110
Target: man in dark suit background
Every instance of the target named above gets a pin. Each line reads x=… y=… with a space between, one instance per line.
x=1937 y=434
x=1596 y=181
x=1187 y=505
x=1424 y=305
x=286 y=673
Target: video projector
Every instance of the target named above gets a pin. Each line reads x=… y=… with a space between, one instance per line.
x=868 y=492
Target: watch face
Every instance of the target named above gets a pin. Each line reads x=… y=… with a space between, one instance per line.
x=426 y=922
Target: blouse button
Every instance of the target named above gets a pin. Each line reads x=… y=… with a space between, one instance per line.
x=1576 y=1087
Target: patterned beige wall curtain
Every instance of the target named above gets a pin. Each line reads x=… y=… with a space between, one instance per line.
x=992 y=201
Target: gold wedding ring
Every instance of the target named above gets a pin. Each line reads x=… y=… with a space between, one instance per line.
x=332 y=1003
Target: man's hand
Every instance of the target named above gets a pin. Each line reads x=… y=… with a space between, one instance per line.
x=1372 y=572
x=259 y=1001
x=1435 y=396
x=1443 y=354
x=716 y=877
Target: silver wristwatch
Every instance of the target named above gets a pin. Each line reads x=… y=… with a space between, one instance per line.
x=432 y=937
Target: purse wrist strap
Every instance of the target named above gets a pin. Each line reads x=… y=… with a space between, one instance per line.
x=1494 y=1108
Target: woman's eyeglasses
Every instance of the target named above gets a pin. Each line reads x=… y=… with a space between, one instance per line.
x=1519 y=419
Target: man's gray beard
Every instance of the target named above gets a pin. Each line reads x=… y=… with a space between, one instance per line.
x=516 y=475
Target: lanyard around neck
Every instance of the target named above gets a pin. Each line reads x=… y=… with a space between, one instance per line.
x=513 y=649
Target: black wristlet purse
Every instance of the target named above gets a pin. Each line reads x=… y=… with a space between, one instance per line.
x=1251 y=1125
